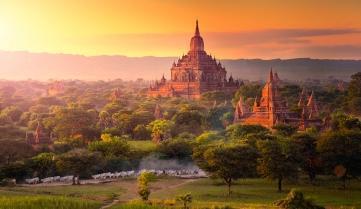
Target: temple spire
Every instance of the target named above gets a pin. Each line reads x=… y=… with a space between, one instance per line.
x=197 y=29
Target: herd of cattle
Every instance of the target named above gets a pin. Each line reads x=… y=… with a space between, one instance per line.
x=37 y=180
x=194 y=173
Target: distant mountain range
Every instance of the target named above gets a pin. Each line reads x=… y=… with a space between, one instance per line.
x=44 y=66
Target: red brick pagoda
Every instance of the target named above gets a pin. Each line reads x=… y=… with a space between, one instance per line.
x=272 y=109
x=194 y=74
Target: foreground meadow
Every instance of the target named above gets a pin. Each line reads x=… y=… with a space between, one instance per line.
x=45 y=202
x=206 y=193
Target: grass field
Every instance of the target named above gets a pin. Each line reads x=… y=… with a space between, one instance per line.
x=260 y=193
x=249 y=193
x=96 y=192
x=45 y=202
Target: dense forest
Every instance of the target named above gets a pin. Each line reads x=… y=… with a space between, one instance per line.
x=96 y=122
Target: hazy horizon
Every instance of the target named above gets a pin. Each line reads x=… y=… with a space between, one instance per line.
x=46 y=66
x=126 y=39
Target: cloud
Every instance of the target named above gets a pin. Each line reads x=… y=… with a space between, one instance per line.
x=270 y=43
x=338 y=51
x=285 y=36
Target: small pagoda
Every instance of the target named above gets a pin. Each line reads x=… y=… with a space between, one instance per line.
x=271 y=109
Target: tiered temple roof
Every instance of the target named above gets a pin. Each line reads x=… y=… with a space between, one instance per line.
x=308 y=105
x=272 y=109
x=194 y=73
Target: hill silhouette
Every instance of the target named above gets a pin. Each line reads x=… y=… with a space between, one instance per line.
x=44 y=66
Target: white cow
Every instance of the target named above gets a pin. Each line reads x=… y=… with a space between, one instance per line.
x=32 y=181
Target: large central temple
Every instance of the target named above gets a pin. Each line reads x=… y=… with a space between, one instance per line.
x=194 y=74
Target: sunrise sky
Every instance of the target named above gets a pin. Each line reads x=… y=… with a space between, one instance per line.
x=230 y=28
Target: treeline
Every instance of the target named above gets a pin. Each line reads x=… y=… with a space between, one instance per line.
x=88 y=122
x=246 y=151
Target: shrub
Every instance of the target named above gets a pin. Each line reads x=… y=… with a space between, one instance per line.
x=238 y=131
x=143 y=184
x=185 y=199
x=296 y=200
x=175 y=148
x=208 y=136
x=138 y=205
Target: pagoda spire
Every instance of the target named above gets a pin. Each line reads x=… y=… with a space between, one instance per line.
x=310 y=99
x=197 y=29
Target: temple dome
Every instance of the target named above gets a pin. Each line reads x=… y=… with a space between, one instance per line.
x=197 y=43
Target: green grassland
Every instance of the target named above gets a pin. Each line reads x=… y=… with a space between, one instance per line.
x=260 y=193
x=45 y=202
x=92 y=192
x=206 y=193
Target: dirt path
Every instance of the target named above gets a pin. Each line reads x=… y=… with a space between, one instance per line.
x=131 y=189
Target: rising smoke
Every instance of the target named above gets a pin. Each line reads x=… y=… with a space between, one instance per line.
x=154 y=162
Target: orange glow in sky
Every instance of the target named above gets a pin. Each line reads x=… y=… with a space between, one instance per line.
x=230 y=28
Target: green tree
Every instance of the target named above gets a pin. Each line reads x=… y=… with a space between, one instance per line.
x=188 y=121
x=291 y=93
x=341 y=153
x=5 y=120
x=73 y=122
x=113 y=107
x=278 y=160
x=160 y=129
x=13 y=112
x=141 y=132
x=105 y=120
x=354 y=105
x=43 y=164
x=208 y=136
x=354 y=93
x=285 y=129
x=50 y=101
x=123 y=121
x=307 y=147
x=142 y=117
x=342 y=121
x=218 y=96
x=111 y=146
x=78 y=162
x=247 y=91
x=227 y=118
x=17 y=170
x=354 y=88
x=11 y=151
x=175 y=148
x=25 y=118
x=219 y=117
x=238 y=131
x=228 y=162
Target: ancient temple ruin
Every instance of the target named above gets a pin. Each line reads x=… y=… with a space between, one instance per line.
x=271 y=109
x=194 y=74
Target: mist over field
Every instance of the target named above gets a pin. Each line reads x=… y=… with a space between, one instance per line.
x=45 y=66
x=153 y=162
